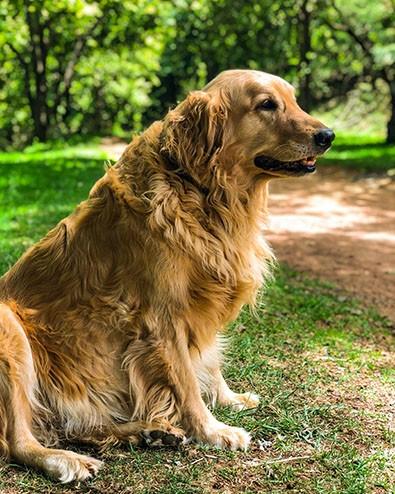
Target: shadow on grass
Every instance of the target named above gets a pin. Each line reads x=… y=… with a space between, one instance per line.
x=358 y=146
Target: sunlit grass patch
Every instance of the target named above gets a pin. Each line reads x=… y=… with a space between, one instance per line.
x=361 y=151
x=38 y=187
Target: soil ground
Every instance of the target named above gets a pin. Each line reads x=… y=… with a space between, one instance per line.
x=337 y=225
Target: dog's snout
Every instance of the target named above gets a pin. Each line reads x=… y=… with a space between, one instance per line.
x=324 y=138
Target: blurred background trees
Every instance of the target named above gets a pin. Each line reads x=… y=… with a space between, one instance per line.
x=110 y=67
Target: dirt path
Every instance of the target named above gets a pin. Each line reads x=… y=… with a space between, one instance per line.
x=335 y=225
x=339 y=226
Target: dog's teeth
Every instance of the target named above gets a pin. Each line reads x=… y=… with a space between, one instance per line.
x=309 y=161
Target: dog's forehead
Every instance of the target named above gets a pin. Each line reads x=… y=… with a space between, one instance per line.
x=250 y=81
x=270 y=80
x=259 y=82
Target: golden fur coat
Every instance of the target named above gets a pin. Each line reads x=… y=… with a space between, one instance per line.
x=109 y=326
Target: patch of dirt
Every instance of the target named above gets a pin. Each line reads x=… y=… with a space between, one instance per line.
x=336 y=225
x=113 y=146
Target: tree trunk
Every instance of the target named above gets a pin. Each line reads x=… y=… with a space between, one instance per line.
x=40 y=117
x=391 y=122
x=39 y=104
x=304 y=18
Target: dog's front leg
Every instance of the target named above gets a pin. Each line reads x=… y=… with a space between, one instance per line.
x=164 y=385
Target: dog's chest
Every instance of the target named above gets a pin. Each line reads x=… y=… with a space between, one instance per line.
x=217 y=292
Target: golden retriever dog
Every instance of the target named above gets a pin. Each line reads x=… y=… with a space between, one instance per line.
x=110 y=326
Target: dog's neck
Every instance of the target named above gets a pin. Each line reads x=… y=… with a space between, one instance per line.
x=243 y=200
x=173 y=166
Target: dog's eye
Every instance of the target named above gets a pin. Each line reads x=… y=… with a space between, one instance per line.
x=267 y=105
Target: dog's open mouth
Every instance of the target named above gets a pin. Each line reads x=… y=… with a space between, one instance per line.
x=275 y=167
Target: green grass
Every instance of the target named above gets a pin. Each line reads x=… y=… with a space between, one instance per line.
x=323 y=364
x=364 y=152
x=38 y=187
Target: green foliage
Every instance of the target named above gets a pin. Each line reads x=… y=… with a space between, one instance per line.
x=112 y=66
x=70 y=67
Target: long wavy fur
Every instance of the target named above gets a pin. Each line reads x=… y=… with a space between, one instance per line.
x=167 y=248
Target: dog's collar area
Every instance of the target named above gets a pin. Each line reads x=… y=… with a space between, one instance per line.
x=173 y=166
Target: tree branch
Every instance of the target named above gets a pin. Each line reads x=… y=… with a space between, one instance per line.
x=363 y=41
x=71 y=65
x=25 y=69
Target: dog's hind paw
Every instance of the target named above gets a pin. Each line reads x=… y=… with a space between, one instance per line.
x=244 y=401
x=156 y=438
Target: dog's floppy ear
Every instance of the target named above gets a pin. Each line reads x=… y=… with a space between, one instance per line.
x=193 y=132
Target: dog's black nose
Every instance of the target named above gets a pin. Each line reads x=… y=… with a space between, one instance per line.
x=324 y=137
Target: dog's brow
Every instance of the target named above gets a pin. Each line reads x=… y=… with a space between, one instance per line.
x=256 y=88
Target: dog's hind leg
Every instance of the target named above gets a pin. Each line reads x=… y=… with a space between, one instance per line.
x=213 y=386
x=159 y=433
x=17 y=406
x=226 y=397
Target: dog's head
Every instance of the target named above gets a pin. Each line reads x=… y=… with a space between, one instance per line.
x=248 y=118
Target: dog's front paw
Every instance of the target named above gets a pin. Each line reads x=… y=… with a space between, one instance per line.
x=67 y=466
x=224 y=436
x=243 y=401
